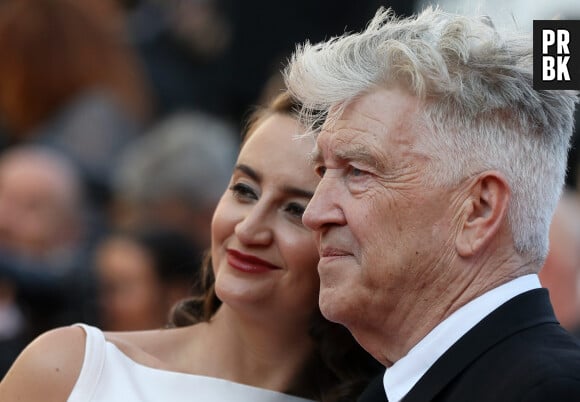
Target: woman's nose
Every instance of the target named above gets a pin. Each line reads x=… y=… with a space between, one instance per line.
x=255 y=227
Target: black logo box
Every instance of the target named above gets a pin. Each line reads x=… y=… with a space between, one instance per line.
x=573 y=64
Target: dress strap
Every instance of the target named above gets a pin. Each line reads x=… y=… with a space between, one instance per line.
x=94 y=359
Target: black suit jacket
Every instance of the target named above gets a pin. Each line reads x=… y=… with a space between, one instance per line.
x=518 y=353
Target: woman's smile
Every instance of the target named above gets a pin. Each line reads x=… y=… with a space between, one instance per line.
x=249 y=263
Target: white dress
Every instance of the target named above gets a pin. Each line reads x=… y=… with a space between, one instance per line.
x=107 y=374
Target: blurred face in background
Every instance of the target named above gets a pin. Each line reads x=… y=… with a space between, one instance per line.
x=39 y=204
x=131 y=296
x=561 y=270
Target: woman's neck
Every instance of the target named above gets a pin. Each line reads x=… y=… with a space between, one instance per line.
x=267 y=354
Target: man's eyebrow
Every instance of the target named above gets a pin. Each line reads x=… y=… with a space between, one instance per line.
x=361 y=154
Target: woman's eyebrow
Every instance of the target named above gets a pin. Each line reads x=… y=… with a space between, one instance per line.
x=289 y=190
x=297 y=192
x=249 y=171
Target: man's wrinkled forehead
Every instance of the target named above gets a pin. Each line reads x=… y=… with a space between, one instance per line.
x=333 y=115
x=340 y=146
x=324 y=128
x=324 y=146
x=368 y=127
x=316 y=157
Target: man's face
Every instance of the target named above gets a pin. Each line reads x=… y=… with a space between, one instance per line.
x=384 y=235
x=36 y=207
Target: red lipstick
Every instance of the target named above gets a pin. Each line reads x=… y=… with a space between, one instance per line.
x=248 y=263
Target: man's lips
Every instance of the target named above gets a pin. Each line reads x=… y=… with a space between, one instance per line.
x=248 y=263
x=329 y=252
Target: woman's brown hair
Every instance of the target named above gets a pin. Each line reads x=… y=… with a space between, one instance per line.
x=340 y=368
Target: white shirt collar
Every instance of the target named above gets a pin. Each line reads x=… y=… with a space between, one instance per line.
x=407 y=371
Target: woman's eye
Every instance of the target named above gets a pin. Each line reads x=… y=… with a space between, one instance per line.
x=320 y=171
x=243 y=191
x=295 y=209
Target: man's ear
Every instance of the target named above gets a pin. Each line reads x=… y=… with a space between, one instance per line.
x=486 y=210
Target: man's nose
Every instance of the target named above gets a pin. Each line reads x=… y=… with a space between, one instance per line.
x=324 y=207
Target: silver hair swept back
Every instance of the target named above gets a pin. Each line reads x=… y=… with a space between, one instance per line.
x=479 y=105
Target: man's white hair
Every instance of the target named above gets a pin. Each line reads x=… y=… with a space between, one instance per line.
x=480 y=108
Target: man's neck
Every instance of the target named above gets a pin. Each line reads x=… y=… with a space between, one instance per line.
x=390 y=340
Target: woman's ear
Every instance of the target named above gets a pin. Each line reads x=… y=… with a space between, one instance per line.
x=486 y=210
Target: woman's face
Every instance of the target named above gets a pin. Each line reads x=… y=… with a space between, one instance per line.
x=264 y=258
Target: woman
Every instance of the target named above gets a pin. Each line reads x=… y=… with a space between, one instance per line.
x=258 y=335
x=140 y=273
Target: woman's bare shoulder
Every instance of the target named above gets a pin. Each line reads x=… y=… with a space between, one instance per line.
x=153 y=348
x=47 y=369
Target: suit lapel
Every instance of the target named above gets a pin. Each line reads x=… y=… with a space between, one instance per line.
x=375 y=391
x=523 y=311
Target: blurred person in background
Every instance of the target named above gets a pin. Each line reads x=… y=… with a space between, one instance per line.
x=69 y=79
x=253 y=334
x=40 y=204
x=561 y=271
x=141 y=274
x=572 y=176
x=44 y=244
x=174 y=174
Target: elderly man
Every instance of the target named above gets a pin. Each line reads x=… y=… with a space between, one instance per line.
x=441 y=167
x=44 y=247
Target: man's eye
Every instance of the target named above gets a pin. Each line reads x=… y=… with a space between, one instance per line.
x=356 y=172
x=243 y=191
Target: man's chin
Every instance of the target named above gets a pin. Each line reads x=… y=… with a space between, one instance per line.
x=334 y=307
